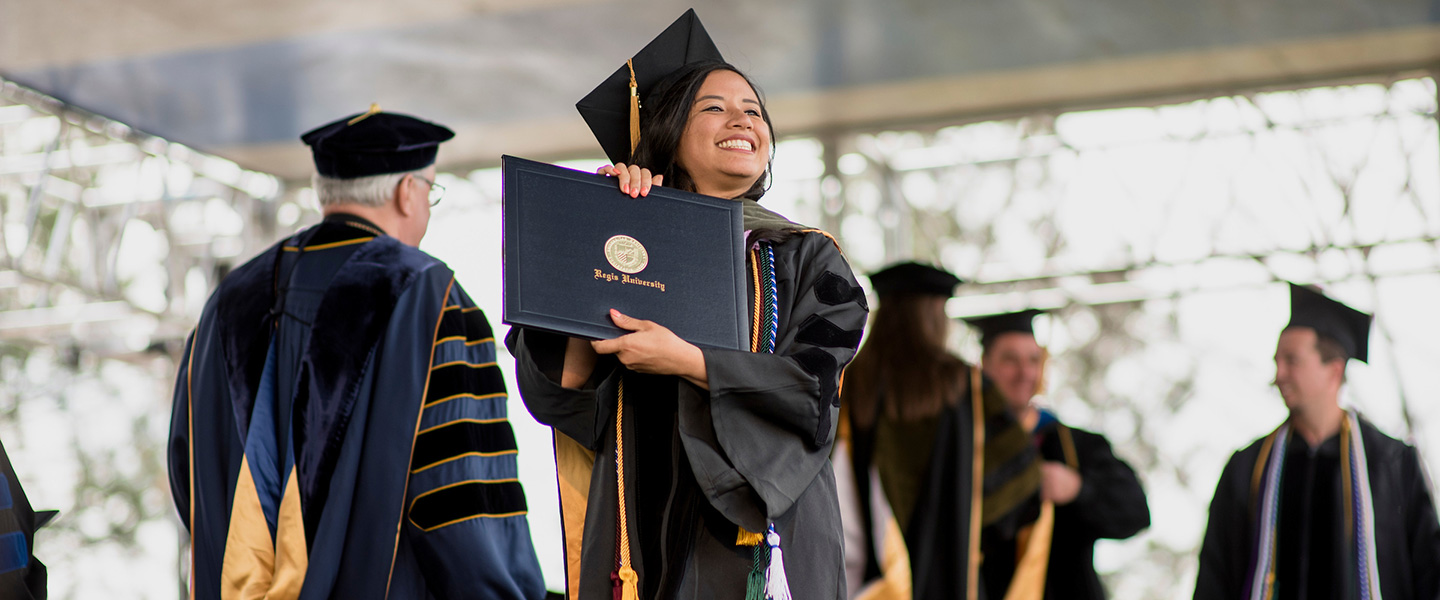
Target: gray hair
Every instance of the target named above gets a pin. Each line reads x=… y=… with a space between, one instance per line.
x=374 y=190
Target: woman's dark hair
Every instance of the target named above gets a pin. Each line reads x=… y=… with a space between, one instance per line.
x=904 y=361
x=664 y=114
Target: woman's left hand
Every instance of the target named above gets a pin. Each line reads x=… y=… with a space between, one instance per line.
x=653 y=349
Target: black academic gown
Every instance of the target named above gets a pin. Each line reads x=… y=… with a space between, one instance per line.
x=339 y=430
x=1312 y=558
x=1111 y=505
x=700 y=464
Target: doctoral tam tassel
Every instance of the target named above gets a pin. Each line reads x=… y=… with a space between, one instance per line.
x=777 y=587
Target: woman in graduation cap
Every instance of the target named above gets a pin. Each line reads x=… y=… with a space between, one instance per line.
x=688 y=473
x=925 y=422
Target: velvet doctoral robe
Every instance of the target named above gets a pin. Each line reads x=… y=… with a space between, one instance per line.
x=339 y=431
x=22 y=576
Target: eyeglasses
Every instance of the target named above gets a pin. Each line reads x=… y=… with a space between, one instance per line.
x=437 y=191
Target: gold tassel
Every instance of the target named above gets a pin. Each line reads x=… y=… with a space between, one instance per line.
x=629 y=584
x=374 y=109
x=634 y=109
x=746 y=538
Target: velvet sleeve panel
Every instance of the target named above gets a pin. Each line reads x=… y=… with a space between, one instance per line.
x=178 y=448
x=759 y=437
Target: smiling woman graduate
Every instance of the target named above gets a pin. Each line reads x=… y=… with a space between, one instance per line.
x=685 y=472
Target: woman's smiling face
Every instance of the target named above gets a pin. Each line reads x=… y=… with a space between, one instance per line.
x=726 y=144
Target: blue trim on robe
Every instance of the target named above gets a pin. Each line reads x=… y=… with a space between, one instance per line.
x=14 y=552
x=261 y=446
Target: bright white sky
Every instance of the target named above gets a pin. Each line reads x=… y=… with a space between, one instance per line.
x=1171 y=185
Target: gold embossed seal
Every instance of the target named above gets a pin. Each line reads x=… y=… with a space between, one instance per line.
x=626 y=254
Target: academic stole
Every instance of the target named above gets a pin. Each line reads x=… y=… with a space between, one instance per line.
x=767 y=579
x=1355 y=494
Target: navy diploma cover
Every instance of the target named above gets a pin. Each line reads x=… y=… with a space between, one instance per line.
x=575 y=247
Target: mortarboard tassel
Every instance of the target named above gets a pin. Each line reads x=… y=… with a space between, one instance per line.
x=777 y=586
x=634 y=109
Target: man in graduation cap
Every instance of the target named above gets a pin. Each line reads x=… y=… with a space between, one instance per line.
x=339 y=425
x=1326 y=506
x=1096 y=495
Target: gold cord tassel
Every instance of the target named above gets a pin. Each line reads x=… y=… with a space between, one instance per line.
x=634 y=109
x=374 y=109
x=629 y=579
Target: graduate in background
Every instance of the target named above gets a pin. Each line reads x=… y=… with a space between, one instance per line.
x=688 y=472
x=1096 y=495
x=1327 y=506
x=339 y=425
x=925 y=423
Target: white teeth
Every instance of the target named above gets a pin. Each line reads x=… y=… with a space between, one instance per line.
x=737 y=144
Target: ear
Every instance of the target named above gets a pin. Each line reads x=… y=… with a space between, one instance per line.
x=405 y=196
x=1337 y=370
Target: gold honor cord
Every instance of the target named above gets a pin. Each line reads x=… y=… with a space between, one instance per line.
x=1259 y=472
x=628 y=577
x=634 y=109
x=1067 y=444
x=972 y=579
x=742 y=536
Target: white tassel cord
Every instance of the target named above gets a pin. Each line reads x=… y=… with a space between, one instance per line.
x=777 y=587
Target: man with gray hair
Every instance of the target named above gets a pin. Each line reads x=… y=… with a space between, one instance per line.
x=339 y=425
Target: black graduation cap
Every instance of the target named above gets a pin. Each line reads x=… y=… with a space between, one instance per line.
x=609 y=109
x=992 y=326
x=913 y=278
x=374 y=143
x=1349 y=327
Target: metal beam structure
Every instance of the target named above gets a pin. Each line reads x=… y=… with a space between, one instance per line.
x=109 y=238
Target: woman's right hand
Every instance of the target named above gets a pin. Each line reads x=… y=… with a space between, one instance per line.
x=634 y=180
